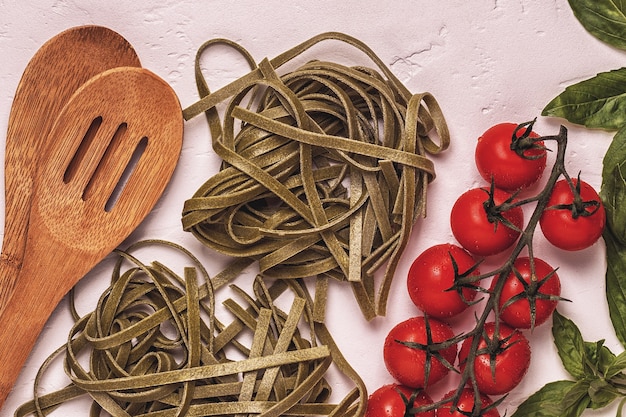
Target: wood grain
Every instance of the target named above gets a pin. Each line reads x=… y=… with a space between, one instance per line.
x=53 y=74
x=70 y=231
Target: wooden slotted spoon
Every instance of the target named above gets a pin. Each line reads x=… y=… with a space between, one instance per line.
x=54 y=73
x=76 y=219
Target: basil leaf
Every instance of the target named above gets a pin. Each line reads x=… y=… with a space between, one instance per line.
x=599 y=102
x=570 y=346
x=613 y=190
x=617 y=366
x=604 y=19
x=616 y=153
x=548 y=401
x=599 y=355
x=613 y=193
x=616 y=284
x=601 y=393
x=576 y=399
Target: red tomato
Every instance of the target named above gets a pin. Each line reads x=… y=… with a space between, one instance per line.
x=497 y=160
x=476 y=230
x=392 y=400
x=466 y=405
x=545 y=283
x=431 y=276
x=564 y=227
x=408 y=364
x=512 y=359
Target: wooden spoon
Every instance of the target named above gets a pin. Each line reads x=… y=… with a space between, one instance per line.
x=54 y=73
x=123 y=119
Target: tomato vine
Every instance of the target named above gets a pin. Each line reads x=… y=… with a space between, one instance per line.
x=490 y=335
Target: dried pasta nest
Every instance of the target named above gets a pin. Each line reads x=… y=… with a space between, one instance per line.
x=325 y=170
x=156 y=348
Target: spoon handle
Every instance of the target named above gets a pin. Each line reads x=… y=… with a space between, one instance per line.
x=9 y=270
x=49 y=271
x=22 y=319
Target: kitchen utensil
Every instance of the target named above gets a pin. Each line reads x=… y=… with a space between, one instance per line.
x=123 y=120
x=54 y=73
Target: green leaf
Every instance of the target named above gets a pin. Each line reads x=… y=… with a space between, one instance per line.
x=617 y=366
x=576 y=399
x=616 y=153
x=602 y=393
x=616 y=284
x=613 y=190
x=570 y=346
x=549 y=401
x=613 y=194
x=614 y=197
x=599 y=355
x=604 y=19
x=598 y=103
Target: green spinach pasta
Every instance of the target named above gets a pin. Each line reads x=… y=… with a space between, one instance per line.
x=324 y=173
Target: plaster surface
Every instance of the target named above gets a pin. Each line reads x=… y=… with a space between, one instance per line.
x=485 y=62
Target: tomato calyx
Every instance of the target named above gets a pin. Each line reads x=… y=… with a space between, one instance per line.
x=432 y=350
x=495 y=346
x=522 y=143
x=397 y=400
x=410 y=410
x=531 y=292
x=578 y=207
x=495 y=212
x=465 y=280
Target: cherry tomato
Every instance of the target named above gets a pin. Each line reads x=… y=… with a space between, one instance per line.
x=565 y=228
x=544 y=284
x=466 y=405
x=497 y=160
x=431 y=276
x=392 y=400
x=407 y=364
x=476 y=230
x=512 y=359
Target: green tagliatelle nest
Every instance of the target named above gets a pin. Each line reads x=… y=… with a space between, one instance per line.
x=325 y=170
x=156 y=348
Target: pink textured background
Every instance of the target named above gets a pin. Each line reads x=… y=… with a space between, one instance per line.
x=485 y=62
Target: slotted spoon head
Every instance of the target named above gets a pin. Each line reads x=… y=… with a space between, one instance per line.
x=125 y=119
